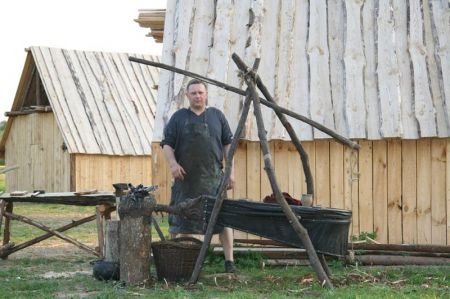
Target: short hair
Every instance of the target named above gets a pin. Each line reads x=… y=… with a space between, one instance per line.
x=195 y=81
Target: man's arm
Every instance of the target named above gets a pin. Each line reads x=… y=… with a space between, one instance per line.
x=231 y=180
x=175 y=168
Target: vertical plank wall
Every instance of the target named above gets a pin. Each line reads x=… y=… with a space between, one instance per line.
x=101 y=171
x=35 y=145
x=397 y=188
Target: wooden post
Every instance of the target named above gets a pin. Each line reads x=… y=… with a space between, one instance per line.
x=112 y=241
x=2 y=209
x=134 y=236
x=6 y=232
x=100 y=233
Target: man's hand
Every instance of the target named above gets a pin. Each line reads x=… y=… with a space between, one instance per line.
x=177 y=171
x=230 y=184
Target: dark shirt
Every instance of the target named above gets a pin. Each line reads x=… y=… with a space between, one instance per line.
x=218 y=128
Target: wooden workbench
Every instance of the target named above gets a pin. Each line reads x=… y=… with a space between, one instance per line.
x=103 y=202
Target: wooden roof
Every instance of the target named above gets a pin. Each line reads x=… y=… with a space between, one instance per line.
x=365 y=71
x=103 y=103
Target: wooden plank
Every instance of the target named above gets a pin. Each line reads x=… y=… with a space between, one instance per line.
x=351 y=184
x=431 y=64
x=48 y=154
x=388 y=81
x=336 y=41
x=300 y=90
x=310 y=148
x=295 y=172
x=424 y=191
x=441 y=16
x=321 y=107
x=183 y=23
x=366 y=187
x=281 y=164
x=424 y=110
x=447 y=182
x=202 y=33
x=266 y=189
x=253 y=171
x=240 y=176
x=355 y=111
x=380 y=212
x=159 y=173
x=409 y=193
x=337 y=175
x=322 y=174
x=394 y=191
x=438 y=197
x=267 y=68
x=285 y=28
x=409 y=122
x=219 y=52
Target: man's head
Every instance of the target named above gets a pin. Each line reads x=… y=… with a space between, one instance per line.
x=197 y=93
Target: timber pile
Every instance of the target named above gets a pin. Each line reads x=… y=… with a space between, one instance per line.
x=153 y=19
x=361 y=253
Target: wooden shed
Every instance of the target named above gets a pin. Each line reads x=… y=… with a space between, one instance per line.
x=80 y=120
x=377 y=72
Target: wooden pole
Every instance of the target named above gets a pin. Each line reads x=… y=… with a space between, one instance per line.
x=404 y=247
x=2 y=209
x=274 y=106
x=220 y=193
x=303 y=154
x=298 y=228
x=100 y=232
x=6 y=232
x=51 y=231
x=46 y=236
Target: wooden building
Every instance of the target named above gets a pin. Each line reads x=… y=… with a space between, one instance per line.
x=377 y=72
x=80 y=120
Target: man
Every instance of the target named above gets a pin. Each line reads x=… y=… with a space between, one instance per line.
x=195 y=142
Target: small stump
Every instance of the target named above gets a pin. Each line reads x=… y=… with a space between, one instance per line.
x=135 y=243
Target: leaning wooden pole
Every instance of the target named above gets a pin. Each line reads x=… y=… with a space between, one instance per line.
x=220 y=193
x=303 y=155
x=341 y=139
x=298 y=228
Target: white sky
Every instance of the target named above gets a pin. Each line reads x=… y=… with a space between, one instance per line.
x=97 y=25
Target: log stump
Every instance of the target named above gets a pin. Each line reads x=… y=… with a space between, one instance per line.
x=135 y=244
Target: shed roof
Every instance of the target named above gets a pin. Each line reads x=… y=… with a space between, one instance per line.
x=103 y=103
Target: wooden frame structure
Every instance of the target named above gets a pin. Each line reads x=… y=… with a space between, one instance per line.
x=104 y=203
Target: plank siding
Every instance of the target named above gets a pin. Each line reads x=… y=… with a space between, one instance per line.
x=397 y=188
x=35 y=146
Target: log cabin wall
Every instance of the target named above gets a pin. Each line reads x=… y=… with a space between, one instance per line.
x=101 y=171
x=377 y=71
x=399 y=189
x=35 y=145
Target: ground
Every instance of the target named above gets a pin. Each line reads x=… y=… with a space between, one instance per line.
x=55 y=269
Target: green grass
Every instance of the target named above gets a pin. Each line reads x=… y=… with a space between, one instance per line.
x=24 y=274
x=2 y=180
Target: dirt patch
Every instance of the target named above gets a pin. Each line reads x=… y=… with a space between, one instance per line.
x=52 y=274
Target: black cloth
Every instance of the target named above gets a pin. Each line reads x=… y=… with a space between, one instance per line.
x=219 y=130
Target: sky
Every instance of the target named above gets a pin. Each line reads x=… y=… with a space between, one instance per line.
x=95 y=25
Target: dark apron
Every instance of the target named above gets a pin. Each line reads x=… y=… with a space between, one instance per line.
x=203 y=174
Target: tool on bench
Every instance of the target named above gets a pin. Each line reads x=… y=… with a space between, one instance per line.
x=37 y=192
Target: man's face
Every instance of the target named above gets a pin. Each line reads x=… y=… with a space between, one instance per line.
x=197 y=95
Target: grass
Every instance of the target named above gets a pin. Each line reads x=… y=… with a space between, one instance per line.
x=28 y=273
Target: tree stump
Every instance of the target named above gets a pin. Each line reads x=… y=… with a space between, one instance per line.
x=112 y=241
x=135 y=244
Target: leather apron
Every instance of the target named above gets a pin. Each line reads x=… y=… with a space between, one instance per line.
x=203 y=174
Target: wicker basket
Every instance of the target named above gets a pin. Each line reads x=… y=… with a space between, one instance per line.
x=175 y=259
